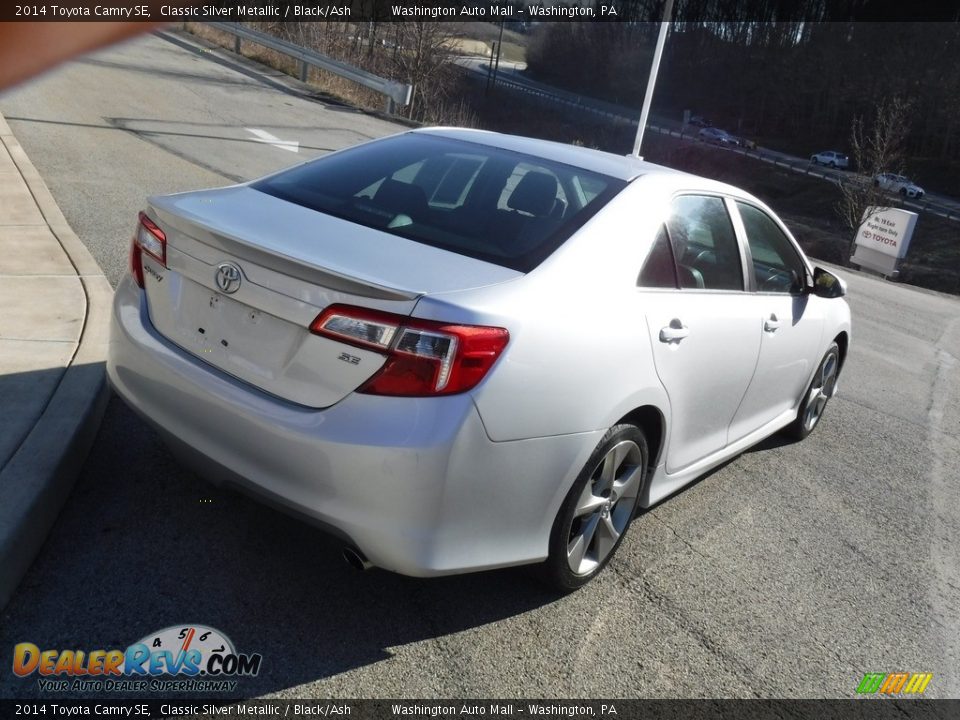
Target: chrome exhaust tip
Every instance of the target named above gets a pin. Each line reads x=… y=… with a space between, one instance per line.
x=356 y=559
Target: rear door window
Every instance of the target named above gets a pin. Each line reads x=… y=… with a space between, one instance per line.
x=705 y=246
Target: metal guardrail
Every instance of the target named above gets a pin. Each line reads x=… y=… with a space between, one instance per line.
x=397 y=93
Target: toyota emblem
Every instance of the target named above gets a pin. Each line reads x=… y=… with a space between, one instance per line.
x=228 y=277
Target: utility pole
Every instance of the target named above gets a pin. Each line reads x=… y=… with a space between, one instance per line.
x=652 y=81
x=486 y=90
x=496 y=68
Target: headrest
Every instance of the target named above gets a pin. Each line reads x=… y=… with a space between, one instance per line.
x=400 y=197
x=536 y=194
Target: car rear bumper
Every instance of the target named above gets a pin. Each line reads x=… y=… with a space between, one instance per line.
x=414 y=483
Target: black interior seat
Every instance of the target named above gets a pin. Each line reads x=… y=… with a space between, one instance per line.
x=527 y=220
x=535 y=194
x=400 y=198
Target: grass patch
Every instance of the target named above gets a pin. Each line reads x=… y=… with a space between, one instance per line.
x=514 y=43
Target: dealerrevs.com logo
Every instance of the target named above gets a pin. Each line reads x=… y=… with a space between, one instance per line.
x=181 y=658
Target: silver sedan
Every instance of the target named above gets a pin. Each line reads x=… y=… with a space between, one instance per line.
x=459 y=350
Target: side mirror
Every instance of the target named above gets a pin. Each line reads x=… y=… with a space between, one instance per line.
x=827 y=285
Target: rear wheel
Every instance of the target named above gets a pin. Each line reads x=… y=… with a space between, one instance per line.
x=821 y=389
x=598 y=509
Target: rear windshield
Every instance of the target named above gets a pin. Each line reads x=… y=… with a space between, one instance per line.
x=487 y=203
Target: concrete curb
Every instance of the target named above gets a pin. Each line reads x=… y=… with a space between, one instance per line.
x=36 y=480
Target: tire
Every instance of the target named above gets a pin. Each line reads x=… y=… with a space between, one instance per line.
x=833 y=165
x=598 y=510
x=903 y=192
x=821 y=389
x=814 y=161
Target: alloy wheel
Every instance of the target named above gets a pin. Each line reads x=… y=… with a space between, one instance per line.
x=605 y=507
x=821 y=390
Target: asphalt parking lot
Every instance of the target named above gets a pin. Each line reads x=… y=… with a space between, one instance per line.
x=789 y=572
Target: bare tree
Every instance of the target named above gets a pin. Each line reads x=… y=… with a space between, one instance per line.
x=877 y=145
x=422 y=58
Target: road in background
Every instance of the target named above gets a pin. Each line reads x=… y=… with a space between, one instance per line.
x=512 y=79
x=790 y=571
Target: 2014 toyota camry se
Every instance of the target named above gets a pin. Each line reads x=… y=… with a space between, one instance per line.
x=460 y=350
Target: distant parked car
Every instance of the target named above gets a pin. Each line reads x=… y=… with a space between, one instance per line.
x=746 y=143
x=830 y=158
x=899 y=184
x=700 y=121
x=716 y=136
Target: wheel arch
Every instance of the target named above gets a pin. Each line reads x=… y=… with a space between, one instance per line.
x=843 y=343
x=652 y=422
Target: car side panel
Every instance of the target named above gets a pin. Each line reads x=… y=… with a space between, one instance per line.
x=579 y=353
x=787 y=354
x=706 y=373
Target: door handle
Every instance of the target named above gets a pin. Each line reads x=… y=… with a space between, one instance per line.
x=771 y=324
x=674 y=332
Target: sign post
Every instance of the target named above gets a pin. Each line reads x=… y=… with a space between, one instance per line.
x=883 y=239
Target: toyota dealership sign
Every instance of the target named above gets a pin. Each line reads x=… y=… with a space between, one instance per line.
x=883 y=238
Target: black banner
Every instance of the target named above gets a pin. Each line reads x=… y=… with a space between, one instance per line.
x=524 y=12
x=880 y=709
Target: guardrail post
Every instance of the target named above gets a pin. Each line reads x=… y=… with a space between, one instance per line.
x=303 y=71
x=236 y=44
x=391 y=106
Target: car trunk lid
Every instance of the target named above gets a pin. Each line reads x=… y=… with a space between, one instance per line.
x=246 y=273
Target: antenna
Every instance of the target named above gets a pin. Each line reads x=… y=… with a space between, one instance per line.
x=652 y=81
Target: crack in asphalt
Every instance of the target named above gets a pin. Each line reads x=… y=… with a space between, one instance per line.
x=700 y=634
x=885 y=413
x=664 y=604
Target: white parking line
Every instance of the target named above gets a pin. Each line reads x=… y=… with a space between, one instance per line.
x=270 y=139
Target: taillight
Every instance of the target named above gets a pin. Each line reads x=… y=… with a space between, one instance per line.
x=423 y=357
x=148 y=239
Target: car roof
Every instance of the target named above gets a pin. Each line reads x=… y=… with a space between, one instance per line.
x=623 y=167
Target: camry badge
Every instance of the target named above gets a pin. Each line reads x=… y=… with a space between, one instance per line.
x=228 y=277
